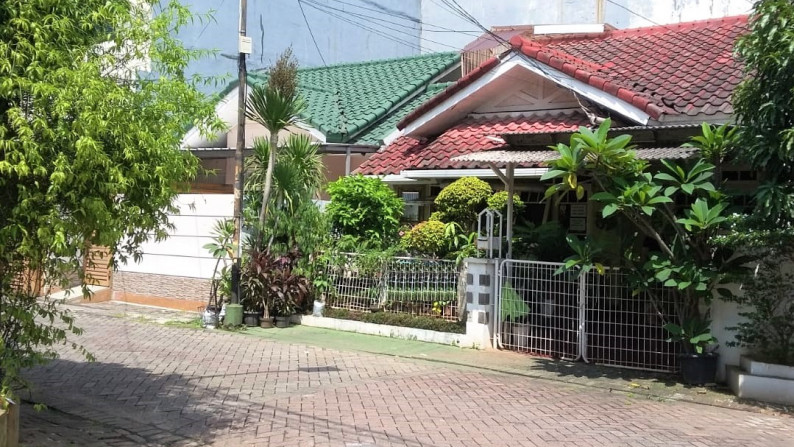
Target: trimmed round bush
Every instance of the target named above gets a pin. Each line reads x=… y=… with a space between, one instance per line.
x=436 y=215
x=498 y=202
x=364 y=207
x=426 y=238
x=462 y=200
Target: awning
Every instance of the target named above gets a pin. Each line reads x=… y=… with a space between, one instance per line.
x=542 y=157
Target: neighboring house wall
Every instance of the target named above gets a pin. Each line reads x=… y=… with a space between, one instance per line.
x=178 y=268
x=275 y=26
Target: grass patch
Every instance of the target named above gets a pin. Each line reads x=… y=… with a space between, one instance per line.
x=192 y=324
x=398 y=319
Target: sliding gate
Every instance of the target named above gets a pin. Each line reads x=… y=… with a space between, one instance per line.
x=593 y=317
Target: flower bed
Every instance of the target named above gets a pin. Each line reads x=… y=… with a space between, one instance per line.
x=398 y=319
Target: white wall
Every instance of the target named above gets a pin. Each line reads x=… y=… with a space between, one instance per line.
x=182 y=253
x=723 y=316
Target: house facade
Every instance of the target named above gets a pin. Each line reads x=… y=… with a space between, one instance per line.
x=657 y=83
x=352 y=110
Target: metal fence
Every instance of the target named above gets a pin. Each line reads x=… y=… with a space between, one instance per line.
x=624 y=327
x=593 y=317
x=539 y=311
x=403 y=285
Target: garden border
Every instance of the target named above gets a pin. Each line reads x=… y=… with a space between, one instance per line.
x=405 y=333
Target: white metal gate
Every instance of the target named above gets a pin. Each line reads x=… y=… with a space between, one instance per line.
x=593 y=317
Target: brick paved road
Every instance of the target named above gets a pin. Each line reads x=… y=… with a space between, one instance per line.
x=159 y=385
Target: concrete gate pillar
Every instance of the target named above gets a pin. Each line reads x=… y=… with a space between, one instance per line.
x=480 y=302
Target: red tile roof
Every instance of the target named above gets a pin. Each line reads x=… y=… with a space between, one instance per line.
x=686 y=68
x=471 y=135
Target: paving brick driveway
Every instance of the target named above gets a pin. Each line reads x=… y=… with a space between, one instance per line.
x=160 y=385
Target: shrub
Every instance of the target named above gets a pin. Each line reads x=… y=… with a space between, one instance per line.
x=768 y=309
x=545 y=242
x=498 y=202
x=427 y=238
x=399 y=319
x=436 y=215
x=272 y=280
x=462 y=200
x=365 y=207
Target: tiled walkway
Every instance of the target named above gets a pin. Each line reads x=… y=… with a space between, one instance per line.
x=158 y=385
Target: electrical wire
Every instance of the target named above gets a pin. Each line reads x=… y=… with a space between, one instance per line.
x=373 y=30
x=311 y=33
x=455 y=8
x=327 y=9
x=411 y=19
x=337 y=89
x=635 y=13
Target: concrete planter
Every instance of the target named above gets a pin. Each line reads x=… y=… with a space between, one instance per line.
x=766 y=382
x=9 y=425
x=383 y=330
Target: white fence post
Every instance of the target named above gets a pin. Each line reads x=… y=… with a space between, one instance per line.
x=481 y=294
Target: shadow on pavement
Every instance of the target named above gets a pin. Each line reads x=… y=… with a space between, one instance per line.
x=94 y=403
x=581 y=370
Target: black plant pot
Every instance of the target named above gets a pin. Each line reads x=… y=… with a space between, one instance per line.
x=698 y=369
x=251 y=319
x=282 y=322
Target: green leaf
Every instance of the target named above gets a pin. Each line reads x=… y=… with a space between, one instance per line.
x=609 y=209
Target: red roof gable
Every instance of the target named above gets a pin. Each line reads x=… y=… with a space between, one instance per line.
x=471 y=135
x=686 y=68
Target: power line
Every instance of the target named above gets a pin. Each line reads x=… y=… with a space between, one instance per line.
x=210 y=20
x=408 y=18
x=378 y=32
x=327 y=8
x=455 y=8
x=311 y=33
x=635 y=13
x=337 y=90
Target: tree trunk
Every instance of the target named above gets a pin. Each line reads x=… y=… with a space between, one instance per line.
x=268 y=179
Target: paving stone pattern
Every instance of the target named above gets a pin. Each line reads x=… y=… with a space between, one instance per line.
x=159 y=385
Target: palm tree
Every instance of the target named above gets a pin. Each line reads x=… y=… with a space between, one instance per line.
x=297 y=174
x=276 y=106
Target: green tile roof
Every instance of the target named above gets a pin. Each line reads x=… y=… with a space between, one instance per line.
x=388 y=124
x=367 y=91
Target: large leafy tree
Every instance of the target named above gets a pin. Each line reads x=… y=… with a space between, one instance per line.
x=764 y=104
x=93 y=105
x=685 y=262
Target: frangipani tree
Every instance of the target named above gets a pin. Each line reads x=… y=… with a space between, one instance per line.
x=678 y=207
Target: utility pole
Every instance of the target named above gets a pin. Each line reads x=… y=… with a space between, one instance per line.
x=244 y=47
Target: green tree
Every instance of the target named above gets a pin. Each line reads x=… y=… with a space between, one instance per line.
x=275 y=105
x=89 y=148
x=764 y=107
x=686 y=262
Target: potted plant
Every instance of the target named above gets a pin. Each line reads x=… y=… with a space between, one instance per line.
x=222 y=249
x=699 y=360
x=273 y=281
x=289 y=291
